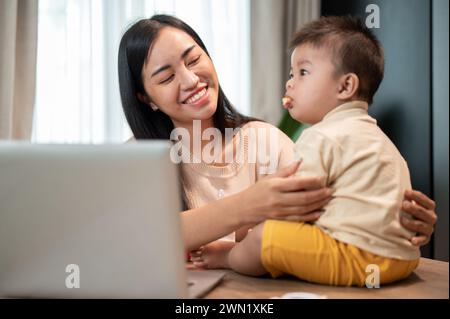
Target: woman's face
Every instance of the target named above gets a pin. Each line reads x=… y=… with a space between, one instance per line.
x=180 y=78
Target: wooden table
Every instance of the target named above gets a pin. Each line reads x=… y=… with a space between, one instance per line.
x=429 y=280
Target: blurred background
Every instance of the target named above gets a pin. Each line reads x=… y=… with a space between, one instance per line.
x=58 y=71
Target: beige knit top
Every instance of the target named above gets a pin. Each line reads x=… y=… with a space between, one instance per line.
x=259 y=149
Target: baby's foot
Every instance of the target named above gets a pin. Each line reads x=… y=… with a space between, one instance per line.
x=213 y=255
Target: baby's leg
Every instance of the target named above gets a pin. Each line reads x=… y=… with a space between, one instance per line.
x=241 y=233
x=245 y=257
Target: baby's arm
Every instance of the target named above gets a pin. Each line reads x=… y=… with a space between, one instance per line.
x=318 y=156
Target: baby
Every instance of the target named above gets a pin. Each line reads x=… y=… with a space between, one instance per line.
x=337 y=66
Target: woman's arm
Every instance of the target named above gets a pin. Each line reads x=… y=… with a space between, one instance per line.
x=210 y=222
x=279 y=196
x=422 y=209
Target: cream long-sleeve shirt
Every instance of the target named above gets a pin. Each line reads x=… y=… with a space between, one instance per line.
x=368 y=176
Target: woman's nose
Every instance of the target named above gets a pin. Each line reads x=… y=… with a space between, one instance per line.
x=189 y=80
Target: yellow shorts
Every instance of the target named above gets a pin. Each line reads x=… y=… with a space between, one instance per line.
x=305 y=251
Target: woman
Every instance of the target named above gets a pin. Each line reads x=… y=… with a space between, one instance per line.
x=167 y=80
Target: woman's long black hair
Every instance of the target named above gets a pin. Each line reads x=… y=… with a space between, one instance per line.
x=133 y=50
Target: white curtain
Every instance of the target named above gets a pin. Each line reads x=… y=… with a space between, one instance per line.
x=273 y=22
x=78 y=97
x=18 y=32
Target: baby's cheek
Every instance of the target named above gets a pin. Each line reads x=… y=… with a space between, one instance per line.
x=300 y=112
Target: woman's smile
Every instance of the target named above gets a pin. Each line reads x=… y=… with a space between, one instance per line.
x=198 y=98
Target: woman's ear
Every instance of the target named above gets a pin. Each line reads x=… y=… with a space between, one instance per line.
x=348 y=86
x=146 y=100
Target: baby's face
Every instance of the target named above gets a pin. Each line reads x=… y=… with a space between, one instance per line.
x=313 y=84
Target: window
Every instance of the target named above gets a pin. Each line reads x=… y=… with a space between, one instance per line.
x=77 y=93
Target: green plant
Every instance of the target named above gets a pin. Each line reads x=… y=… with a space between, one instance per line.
x=291 y=127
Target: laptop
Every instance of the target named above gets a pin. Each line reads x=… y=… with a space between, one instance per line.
x=93 y=221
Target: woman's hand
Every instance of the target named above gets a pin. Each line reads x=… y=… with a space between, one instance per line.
x=283 y=196
x=422 y=209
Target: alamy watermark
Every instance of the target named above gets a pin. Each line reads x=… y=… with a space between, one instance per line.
x=73 y=279
x=373 y=17
x=373 y=279
x=252 y=145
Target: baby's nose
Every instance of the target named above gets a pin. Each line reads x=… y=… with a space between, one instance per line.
x=288 y=84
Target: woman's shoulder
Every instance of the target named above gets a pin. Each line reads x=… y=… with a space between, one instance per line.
x=268 y=129
x=277 y=147
x=259 y=124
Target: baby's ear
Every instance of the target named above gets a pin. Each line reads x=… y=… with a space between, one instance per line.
x=348 y=86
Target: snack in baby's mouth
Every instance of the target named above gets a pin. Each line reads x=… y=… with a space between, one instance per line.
x=286 y=100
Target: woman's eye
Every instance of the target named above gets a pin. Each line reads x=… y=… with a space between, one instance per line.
x=194 y=62
x=167 y=80
x=291 y=75
x=303 y=72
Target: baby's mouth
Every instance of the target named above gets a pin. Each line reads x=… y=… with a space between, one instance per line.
x=287 y=102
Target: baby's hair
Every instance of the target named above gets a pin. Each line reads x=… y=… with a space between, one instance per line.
x=354 y=49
